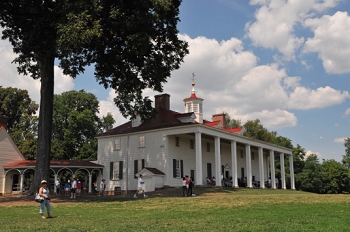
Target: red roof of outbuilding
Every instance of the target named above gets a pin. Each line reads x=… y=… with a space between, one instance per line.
x=66 y=163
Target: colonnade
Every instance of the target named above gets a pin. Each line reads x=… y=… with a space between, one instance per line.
x=199 y=166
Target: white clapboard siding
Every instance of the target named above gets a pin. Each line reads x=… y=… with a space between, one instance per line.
x=9 y=153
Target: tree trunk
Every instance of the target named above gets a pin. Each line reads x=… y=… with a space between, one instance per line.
x=42 y=166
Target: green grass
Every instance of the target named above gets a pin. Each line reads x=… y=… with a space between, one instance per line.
x=213 y=210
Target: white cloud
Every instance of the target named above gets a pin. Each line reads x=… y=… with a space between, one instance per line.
x=339 y=140
x=9 y=76
x=309 y=152
x=109 y=106
x=303 y=98
x=330 y=41
x=347 y=112
x=276 y=21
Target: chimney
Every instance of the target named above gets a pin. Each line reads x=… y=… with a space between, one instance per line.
x=221 y=118
x=162 y=101
x=3 y=121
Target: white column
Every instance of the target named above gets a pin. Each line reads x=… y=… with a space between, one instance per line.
x=261 y=167
x=54 y=184
x=21 y=184
x=234 y=164
x=217 y=161
x=3 y=184
x=90 y=182
x=199 y=165
x=272 y=165
x=249 y=166
x=291 y=167
x=283 y=172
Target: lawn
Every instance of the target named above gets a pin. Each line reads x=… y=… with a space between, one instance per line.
x=213 y=209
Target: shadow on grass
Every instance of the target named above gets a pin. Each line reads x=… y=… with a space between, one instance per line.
x=170 y=192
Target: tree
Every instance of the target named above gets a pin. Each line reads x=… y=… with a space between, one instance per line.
x=107 y=122
x=346 y=157
x=133 y=45
x=255 y=129
x=22 y=122
x=335 y=177
x=311 y=180
x=75 y=126
x=232 y=123
x=14 y=103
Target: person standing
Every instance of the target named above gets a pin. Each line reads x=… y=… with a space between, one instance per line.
x=190 y=186
x=140 y=188
x=73 y=189
x=184 y=189
x=66 y=188
x=44 y=192
x=58 y=186
x=78 y=188
x=102 y=187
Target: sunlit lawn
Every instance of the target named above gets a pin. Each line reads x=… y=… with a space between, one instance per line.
x=212 y=210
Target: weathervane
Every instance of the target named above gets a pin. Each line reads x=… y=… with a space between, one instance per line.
x=193 y=75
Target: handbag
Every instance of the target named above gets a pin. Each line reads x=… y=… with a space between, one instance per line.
x=38 y=198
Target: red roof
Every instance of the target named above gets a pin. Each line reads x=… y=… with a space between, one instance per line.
x=66 y=163
x=211 y=124
x=233 y=130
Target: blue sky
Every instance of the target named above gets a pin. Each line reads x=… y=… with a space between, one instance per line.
x=285 y=62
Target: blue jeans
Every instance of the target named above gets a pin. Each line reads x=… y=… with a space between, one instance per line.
x=42 y=205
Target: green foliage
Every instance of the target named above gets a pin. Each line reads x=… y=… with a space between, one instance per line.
x=134 y=45
x=16 y=105
x=75 y=125
x=107 y=122
x=232 y=123
x=22 y=123
x=326 y=177
x=335 y=177
x=239 y=210
x=346 y=157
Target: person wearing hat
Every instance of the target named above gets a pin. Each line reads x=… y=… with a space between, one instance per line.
x=44 y=192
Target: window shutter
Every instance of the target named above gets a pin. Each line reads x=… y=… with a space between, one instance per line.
x=182 y=168
x=143 y=163
x=136 y=168
x=174 y=168
x=111 y=170
x=120 y=170
x=222 y=169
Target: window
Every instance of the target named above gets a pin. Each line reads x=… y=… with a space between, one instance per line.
x=195 y=108
x=208 y=147
x=189 y=107
x=209 y=170
x=117 y=144
x=252 y=155
x=191 y=144
x=116 y=170
x=177 y=141
x=138 y=165
x=178 y=168
x=242 y=154
x=142 y=141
